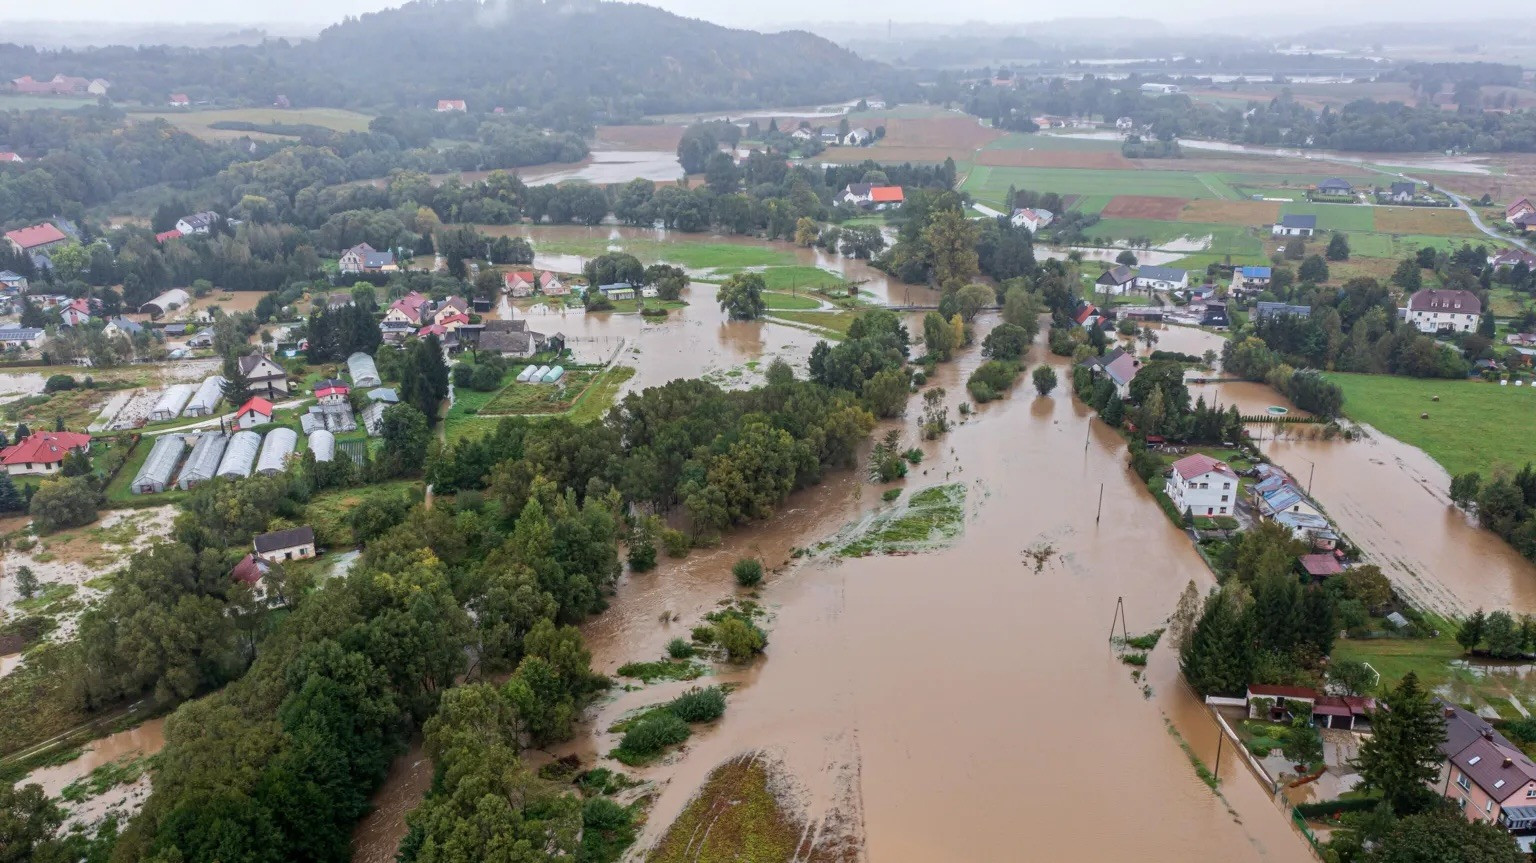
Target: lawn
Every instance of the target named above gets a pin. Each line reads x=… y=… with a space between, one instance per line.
x=1497 y=418
x=1335 y=217
x=835 y=322
x=198 y=123
x=1439 y=664
x=328 y=511
x=990 y=184
x=791 y=302
x=1070 y=143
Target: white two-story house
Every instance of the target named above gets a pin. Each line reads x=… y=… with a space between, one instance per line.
x=1433 y=311
x=1202 y=486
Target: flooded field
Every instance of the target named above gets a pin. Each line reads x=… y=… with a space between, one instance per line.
x=566 y=249
x=119 y=748
x=610 y=166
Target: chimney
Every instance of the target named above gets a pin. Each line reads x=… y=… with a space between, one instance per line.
x=1487 y=733
x=1509 y=762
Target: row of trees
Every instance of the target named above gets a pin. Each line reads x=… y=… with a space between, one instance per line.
x=1504 y=503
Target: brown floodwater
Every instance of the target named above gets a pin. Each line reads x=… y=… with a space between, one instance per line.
x=145 y=739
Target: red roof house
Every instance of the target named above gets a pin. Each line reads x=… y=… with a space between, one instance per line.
x=887 y=195
x=520 y=283
x=1320 y=565
x=35 y=238
x=1192 y=466
x=7 y=156
x=408 y=309
x=255 y=412
x=451 y=105
x=332 y=391
x=43 y=452
x=165 y=236
x=249 y=570
x=180 y=100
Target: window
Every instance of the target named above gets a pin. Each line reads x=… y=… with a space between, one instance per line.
x=1225 y=486
x=1223 y=510
x=1473 y=760
x=1530 y=793
x=1463 y=782
x=1498 y=785
x=1224 y=499
x=1488 y=807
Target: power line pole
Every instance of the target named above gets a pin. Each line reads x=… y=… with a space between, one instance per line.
x=1118 y=618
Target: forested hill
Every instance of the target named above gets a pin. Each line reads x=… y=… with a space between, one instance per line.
x=600 y=62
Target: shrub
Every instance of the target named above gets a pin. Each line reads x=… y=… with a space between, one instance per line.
x=991 y=379
x=679 y=649
x=675 y=542
x=699 y=705
x=703 y=634
x=740 y=639
x=56 y=383
x=748 y=571
x=654 y=733
x=642 y=554
x=890 y=494
x=913 y=455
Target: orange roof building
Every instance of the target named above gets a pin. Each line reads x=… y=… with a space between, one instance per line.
x=43 y=452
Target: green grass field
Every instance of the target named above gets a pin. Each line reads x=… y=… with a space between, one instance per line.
x=18 y=102
x=990 y=184
x=836 y=323
x=1057 y=143
x=1474 y=426
x=790 y=302
x=199 y=123
x=793 y=278
x=1087 y=203
x=1223 y=239
x=1335 y=217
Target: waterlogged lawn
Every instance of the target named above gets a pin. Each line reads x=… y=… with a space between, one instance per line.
x=789 y=302
x=735 y=817
x=929 y=519
x=1497 y=418
x=836 y=323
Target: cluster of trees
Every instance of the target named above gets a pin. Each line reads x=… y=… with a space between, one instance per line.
x=1505 y=636
x=1505 y=503
x=1267 y=623
x=869 y=362
x=1352 y=328
x=1251 y=358
x=335 y=334
x=937 y=244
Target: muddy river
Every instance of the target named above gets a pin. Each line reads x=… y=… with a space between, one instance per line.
x=916 y=701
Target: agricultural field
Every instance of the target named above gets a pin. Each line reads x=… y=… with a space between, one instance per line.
x=1335 y=217
x=652 y=138
x=1447 y=221
x=21 y=102
x=198 y=123
x=1497 y=417
x=1231 y=212
x=990 y=184
x=1143 y=207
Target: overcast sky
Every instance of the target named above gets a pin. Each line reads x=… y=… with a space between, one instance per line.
x=760 y=13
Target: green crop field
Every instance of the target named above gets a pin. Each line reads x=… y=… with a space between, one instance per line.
x=19 y=102
x=1222 y=239
x=990 y=184
x=1364 y=245
x=1335 y=217
x=199 y=123
x=1497 y=417
x=1090 y=203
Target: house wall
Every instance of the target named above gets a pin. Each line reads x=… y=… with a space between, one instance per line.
x=1161 y=284
x=251 y=418
x=33 y=469
x=297 y=552
x=1477 y=804
x=1434 y=322
x=1283 y=231
x=1208 y=501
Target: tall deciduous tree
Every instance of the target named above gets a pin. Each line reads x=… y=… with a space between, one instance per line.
x=741 y=296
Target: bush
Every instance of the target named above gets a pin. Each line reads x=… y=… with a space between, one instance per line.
x=991 y=379
x=703 y=634
x=679 y=649
x=642 y=554
x=890 y=494
x=699 y=705
x=654 y=733
x=740 y=639
x=675 y=542
x=748 y=572
x=62 y=503
x=913 y=456
x=56 y=383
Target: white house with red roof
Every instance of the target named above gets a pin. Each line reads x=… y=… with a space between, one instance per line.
x=75 y=313
x=332 y=392
x=7 y=156
x=1433 y=311
x=1203 y=486
x=1522 y=207
x=257 y=411
x=179 y=100
x=520 y=283
x=43 y=452
x=446 y=105
x=37 y=238
x=407 y=310
x=872 y=197
x=453 y=306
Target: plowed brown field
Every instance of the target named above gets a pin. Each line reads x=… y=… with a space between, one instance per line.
x=1217 y=212
x=1144 y=207
x=1449 y=222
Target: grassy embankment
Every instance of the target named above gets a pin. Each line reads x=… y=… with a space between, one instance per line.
x=737 y=817
x=1473 y=427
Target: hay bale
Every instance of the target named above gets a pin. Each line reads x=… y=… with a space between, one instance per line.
x=1424 y=416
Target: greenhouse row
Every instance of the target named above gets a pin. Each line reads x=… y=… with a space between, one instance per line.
x=540 y=374
x=216 y=454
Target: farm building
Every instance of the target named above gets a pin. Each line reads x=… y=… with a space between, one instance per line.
x=203 y=463
x=160 y=305
x=156 y=473
x=279 y=444
x=240 y=455
x=206 y=398
x=363 y=371
x=323 y=444
x=171 y=402
x=334 y=418
x=554 y=374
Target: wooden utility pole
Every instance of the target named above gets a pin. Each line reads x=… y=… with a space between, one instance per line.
x=1100 y=513
x=1118 y=618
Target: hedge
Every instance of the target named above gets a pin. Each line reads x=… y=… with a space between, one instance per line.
x=1334 y=807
